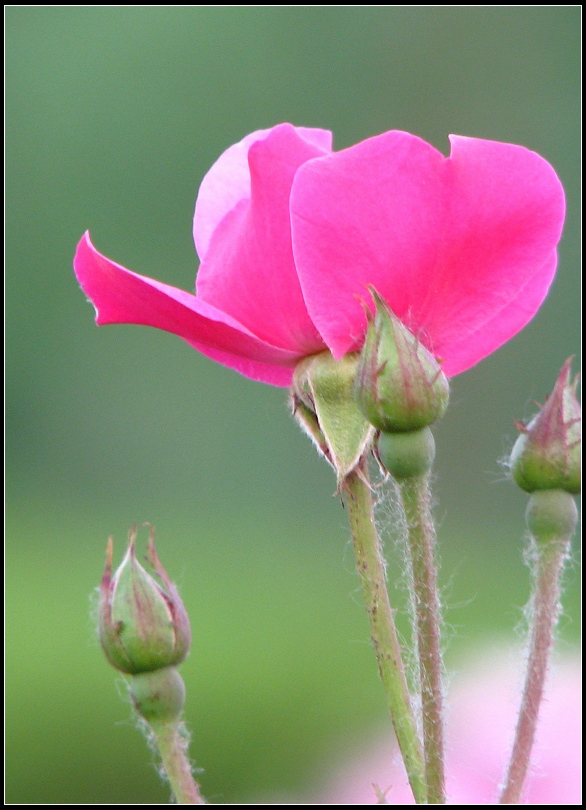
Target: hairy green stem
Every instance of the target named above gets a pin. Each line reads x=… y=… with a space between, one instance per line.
x=158 y=698
x=421 y=539
x=371 y=569
x=551 y=556
x=172 y=744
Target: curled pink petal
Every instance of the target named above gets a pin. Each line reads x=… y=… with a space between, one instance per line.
x=280 y=375
x=228 y=182
x=248 y=269
x=121 y=296
x=462 y=248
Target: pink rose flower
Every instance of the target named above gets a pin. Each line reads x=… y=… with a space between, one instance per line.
x=290 y=234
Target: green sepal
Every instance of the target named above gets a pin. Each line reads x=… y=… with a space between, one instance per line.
x=307 y=420
x=324 y=405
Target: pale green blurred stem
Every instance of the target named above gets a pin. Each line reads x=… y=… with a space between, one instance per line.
x=371 y=569
x=545 y=611
x=421 y=540
x=171 y=746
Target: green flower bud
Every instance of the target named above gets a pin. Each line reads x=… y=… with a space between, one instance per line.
x=143 y=626
x=547 y=454
x=399 y=384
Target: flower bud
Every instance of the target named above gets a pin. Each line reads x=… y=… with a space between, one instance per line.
x=547 y=453
x=143 y=626
x=399 y=384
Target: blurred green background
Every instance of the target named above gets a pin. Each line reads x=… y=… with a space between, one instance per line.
x=114 y=116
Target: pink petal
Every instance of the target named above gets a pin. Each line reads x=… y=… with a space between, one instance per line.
x=461 y=248
x=262 y=372
x=228 y=182
x=225 y=184
x=470 y=348
x=121 y=296
x=248 y=269
x=499 y=258
x=369 y=214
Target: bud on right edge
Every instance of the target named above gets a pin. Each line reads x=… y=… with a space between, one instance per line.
x=547 y=454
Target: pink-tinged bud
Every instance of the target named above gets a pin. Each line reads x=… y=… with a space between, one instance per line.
x=547 y=454
x=399 y=384
x=143 y=625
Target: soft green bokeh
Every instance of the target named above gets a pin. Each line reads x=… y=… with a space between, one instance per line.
x=114 y=115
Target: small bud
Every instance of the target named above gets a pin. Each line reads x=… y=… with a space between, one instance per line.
x=399 y=384
x=143 y=626
x=547 y=453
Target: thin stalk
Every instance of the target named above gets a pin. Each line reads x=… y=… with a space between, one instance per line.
x=171 y=745
x=421 y=540
x=371 y=569
x=551 y=556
